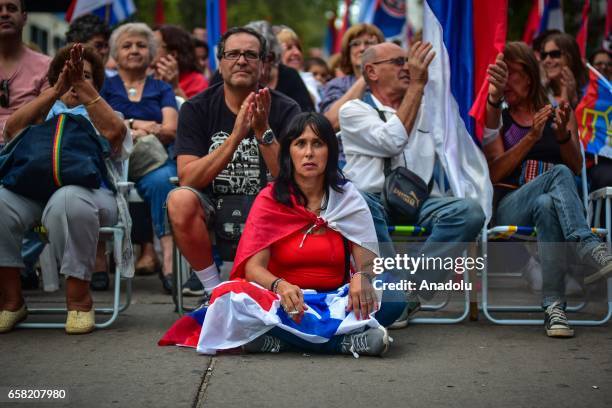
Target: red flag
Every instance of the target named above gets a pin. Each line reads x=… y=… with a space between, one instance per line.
x=268 y=222
x=581 y=37
x=160 y=18
x=533 y=23
x=609 y=19
x=490 y=27
x=346 y=23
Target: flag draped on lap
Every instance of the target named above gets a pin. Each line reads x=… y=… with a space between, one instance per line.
x=594 y=116
x=241 y=311
x=448 y=26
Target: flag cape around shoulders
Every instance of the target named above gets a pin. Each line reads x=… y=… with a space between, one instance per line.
x=446 y=102
x=269 y=221
x=241 y=311
x=594 y=117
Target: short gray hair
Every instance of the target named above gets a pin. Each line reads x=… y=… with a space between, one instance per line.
x=368 y=56
x=272 y=45
x=136 y=29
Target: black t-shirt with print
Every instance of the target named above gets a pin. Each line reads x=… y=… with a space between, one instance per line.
x=205 y=122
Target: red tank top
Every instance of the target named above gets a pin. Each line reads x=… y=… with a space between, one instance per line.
x=318 y=264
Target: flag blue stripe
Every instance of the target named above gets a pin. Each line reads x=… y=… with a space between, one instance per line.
x=213 y=25
x=456 y=19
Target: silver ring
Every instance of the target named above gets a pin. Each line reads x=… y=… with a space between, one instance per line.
x=292 y=313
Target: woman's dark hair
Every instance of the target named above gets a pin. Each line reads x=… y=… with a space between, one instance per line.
x=179 y=41
x=86 y=27
x=89 y=54
x=285 y=184
x=520 y=53
x=314 y=61
x=197 y=43
x=597 y=52
x=569 y=47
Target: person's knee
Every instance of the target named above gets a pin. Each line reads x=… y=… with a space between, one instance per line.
x=183 y=207
x=473 y=217
x=69 y=202
x=544 y=201
x=561 y=171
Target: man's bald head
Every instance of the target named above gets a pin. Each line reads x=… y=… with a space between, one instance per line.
x=378 y=52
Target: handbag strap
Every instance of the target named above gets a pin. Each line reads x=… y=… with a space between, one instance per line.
x=367 y=98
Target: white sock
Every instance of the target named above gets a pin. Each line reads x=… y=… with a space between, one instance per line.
x=209 y=277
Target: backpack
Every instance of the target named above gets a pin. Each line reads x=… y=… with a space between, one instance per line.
x=64 y=150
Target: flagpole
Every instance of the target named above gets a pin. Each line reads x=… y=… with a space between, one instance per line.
x=107 y=14
x=600 y=76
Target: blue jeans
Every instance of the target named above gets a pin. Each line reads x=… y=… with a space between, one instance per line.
x=154 y=188
x=392 y=306
x=551 y=204
x=451 y=222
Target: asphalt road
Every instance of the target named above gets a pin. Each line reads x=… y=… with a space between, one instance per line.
x=473 y=364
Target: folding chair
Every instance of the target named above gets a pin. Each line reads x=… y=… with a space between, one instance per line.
x=113 y=236
x=528 y=233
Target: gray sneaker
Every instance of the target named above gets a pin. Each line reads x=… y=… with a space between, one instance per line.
x=372 y=342
x=599 y=259
x=265 y=344
x=555 y=322
x=413 y=305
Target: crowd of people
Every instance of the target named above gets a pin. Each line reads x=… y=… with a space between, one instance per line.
x=258 y=136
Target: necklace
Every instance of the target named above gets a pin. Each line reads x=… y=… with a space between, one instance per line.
x=132 y=92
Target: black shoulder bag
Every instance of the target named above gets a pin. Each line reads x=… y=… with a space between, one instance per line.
x=231 y=213
x=404 y=191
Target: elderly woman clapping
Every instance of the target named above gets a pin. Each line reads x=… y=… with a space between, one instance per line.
x=149 y=106
x=73 y=215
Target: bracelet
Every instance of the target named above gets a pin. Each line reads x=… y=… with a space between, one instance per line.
x=567 y=139
x=93 y=101
x=495 y=105
x=275 y=284
x=368 y=277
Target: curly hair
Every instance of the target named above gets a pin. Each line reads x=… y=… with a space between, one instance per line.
x=136 y=29
x=179 y=41
x=86 y=27
x=89 y=54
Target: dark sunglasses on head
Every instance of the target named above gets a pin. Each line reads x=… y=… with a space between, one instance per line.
x=399 y=61
x=554 y=54
x=4 y=95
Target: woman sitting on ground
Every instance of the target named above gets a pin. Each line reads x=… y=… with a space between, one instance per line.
x=300 y=234
x=73 y=215
x=149 y=106
x=533 y=153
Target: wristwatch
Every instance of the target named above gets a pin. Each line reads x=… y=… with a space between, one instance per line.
x=267 y=138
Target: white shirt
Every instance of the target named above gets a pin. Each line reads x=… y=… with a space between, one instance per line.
x=367 y=141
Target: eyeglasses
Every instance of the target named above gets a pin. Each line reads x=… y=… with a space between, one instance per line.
x=554 y=54
x=4 y=96
x=358 y=43
x=399 y=61
x=233 y=55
